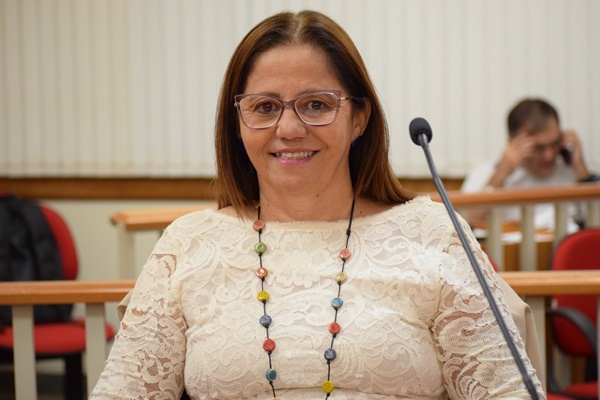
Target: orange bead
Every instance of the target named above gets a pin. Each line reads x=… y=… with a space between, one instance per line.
x=262 y=272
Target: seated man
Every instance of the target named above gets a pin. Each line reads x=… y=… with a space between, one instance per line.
x=538 y=154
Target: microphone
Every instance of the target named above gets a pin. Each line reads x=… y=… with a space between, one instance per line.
x=421 y=134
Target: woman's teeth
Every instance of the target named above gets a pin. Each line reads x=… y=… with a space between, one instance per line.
x=295 y=156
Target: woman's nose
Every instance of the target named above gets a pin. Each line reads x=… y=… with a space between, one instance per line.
x=289 y=125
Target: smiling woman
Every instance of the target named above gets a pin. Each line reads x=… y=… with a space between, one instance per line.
x=319 y=276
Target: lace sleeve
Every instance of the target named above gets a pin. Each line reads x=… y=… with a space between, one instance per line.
x=147 y=358
x=476 y=360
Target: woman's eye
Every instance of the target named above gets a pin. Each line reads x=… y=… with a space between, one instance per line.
x=266 y=107
x=316 y=105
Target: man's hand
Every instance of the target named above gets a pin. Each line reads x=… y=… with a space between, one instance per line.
x=518 y=150
x=570 y=141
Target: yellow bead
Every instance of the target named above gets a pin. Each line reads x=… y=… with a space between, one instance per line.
x=262 y=296
x=341 y=277
x=327 y=386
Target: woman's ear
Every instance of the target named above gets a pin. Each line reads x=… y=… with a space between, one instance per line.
x=360 y=119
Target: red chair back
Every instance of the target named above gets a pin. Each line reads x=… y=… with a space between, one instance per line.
x=64 y=241
x=578 y=251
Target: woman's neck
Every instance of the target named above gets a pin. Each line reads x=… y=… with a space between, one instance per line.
x=282 y=208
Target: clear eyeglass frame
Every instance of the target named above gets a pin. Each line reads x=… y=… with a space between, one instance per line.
x=292 y=104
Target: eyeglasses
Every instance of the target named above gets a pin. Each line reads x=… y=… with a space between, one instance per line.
x=313 y=108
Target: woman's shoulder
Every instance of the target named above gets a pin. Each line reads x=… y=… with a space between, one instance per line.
x=420 y=206
x=204 y=219
x=421 y=218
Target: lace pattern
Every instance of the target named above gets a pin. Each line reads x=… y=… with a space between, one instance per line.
x=415 y=323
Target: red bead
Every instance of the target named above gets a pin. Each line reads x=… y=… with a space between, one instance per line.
x=269 y=345
x=258 y=225
x=262 y=272
x=345 y=254
x=334 y=328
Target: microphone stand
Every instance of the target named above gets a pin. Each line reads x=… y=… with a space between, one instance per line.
x=423 y=139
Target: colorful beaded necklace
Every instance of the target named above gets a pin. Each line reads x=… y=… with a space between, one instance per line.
x=263 y=297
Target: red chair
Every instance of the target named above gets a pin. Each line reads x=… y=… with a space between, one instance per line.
x=64 y=340
x=573 y=317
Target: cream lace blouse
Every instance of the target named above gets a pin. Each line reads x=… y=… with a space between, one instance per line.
x=415 y=324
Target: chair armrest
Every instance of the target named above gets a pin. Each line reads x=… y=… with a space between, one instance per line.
x=580 y=320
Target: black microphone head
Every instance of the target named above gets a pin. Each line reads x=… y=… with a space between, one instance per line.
x=419 y=126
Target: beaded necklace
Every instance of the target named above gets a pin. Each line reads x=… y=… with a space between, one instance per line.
x=263 y=296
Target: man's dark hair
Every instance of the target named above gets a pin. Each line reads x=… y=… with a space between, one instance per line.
x=530 y=114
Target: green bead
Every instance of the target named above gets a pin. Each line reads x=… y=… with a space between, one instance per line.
x=260 y=247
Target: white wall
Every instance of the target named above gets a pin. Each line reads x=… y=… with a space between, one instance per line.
x=129 y=87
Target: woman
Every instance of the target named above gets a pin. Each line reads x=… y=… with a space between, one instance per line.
x=319 y=276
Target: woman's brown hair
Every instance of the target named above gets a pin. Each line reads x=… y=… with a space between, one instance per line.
x=370 y=170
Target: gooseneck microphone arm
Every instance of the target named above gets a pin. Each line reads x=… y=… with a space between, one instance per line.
x=420 y=133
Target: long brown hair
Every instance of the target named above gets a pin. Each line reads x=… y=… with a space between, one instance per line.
x=370 y=170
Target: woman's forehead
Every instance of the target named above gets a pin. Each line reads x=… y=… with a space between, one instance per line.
x=291 y=68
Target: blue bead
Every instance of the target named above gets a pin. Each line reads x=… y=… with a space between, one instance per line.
x=271 y=374
x=337 y=303
x=330 y=354
x=265 y=321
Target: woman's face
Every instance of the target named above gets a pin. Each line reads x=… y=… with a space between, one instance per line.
x=291 y=156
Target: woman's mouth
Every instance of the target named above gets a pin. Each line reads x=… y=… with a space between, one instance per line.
x=295 y=156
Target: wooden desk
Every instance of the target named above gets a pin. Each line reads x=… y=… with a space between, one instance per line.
x=511 y=248
x=511 y=256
